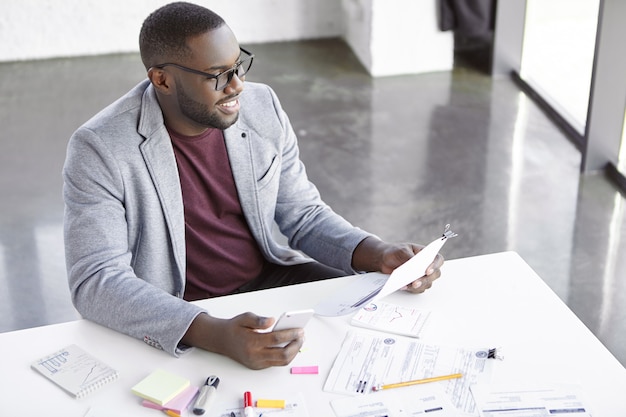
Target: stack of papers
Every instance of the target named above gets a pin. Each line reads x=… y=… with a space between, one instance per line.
x=413 y=401
x=522 y=400
x=375 y=285
x=163 y=390
x=178 y=404
x=366 y=361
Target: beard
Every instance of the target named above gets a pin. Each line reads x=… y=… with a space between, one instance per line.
x=199 y=113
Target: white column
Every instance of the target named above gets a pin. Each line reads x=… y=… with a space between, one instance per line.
x=605 y=117
x=509 y=37
x=394 y=37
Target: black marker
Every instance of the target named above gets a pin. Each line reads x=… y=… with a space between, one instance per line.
x=206 y=395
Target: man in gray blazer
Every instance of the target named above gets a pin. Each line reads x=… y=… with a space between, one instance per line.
x=171 y=195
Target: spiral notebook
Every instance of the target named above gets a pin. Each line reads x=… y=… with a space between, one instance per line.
x=76 y=371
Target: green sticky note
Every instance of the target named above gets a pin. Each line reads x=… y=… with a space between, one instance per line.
x=160 y=386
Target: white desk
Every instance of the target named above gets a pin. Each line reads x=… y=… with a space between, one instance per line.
x=491 y=300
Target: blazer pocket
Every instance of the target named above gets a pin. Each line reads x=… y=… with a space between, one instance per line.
x=269 y=173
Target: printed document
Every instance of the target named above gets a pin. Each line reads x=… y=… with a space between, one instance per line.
x=412 y=401
x=530 y=401
x=391 y=318
x=366 y=360
x=375 y=286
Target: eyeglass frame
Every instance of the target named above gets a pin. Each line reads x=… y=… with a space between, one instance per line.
x=232 y=70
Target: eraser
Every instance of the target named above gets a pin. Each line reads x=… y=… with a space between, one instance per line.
x=305 y=370
x=270 y=403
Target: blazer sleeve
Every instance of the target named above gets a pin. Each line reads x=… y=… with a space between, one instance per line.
x=103 y=283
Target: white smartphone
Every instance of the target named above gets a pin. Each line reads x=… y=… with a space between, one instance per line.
x=292 y=320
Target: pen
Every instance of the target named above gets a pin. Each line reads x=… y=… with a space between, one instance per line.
x=417 y=381
x=248 y=411
x=171 y=413
x=206 y=395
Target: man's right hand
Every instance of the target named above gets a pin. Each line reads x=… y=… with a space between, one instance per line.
x=239 y=339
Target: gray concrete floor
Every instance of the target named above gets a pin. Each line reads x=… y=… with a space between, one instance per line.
x=398 y=156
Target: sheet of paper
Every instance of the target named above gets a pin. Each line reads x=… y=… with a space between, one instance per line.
x=353 y=296
x=412 y=269
x=366 y=360
x=373 y=287
x=530 y=400
x=391 y=318
x=413 y=401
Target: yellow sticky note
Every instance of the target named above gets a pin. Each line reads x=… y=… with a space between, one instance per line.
x=160 y=386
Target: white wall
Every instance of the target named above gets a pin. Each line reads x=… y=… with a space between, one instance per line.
x=36 y=29
x=358 y=28
x=389 y=36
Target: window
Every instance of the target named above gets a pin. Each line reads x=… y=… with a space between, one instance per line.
x=557 y=54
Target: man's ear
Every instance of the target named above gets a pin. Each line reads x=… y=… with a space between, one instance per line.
x=160 y=80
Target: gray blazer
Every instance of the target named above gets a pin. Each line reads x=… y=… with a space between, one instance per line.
x=124 y=219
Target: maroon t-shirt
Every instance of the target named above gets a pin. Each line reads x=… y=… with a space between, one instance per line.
x=222 y=254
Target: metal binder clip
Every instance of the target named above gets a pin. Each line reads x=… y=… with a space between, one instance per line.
x=447 y=233
x=495 y=353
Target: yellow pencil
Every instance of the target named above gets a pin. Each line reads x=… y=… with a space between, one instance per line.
x=417 y=381
x=171 y=413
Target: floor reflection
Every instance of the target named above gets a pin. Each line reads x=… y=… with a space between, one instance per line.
x=399 y=156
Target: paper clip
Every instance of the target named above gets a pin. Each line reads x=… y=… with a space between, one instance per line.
x=447 y=233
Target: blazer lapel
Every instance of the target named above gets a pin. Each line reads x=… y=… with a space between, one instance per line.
x=242 y=165
x=158 y=155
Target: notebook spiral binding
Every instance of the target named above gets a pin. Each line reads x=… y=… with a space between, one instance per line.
x=84 y=391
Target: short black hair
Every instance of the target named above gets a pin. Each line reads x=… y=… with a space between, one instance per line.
x=164 y=34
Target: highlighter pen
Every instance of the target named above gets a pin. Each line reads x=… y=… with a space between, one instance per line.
x=206 y=395
x=248 y=411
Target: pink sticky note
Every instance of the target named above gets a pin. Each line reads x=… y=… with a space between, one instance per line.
x=177 y=404
x=305 y=370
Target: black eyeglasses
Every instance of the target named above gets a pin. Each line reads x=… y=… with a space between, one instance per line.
x=224 y=78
